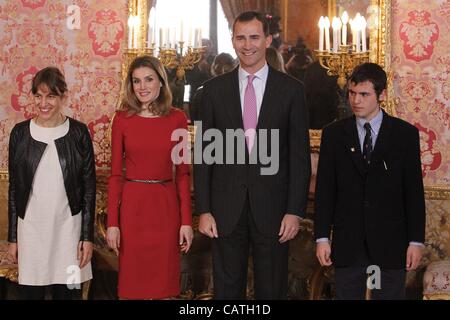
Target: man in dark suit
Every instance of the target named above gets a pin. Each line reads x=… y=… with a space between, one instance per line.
x=369 y=194
x=240 y=206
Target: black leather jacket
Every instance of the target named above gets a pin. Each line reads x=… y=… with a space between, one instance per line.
x=76 y=156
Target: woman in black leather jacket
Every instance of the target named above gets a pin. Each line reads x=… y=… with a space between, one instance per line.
x=51 y=194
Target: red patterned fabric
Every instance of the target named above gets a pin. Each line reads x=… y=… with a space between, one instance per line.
x=35 y=34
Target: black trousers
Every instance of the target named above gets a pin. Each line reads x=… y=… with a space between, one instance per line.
x=230 y=262
x=58 y=291
x=351 y=281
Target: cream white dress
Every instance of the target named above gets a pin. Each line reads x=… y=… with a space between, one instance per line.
x=48 y=237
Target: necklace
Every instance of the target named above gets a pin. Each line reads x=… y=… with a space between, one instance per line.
x=147 y=113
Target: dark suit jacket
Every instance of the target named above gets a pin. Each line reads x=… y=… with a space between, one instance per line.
x=383 y=203
x=222 y=188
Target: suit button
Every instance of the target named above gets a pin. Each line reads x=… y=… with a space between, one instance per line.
x=366 y=204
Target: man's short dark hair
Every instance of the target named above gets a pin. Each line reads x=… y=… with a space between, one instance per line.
x=371 y=72
x=249 y=16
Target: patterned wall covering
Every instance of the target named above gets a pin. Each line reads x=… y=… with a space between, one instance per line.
x=437 y=231
x=421 y=65
x=35 y=34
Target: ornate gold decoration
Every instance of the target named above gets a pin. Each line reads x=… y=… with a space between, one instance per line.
x=381 y=53
x=10 y=272
x=4 y=175
x=171 y=59
x=341 y=63
x=437 y=192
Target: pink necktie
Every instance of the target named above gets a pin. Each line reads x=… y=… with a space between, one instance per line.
x=250 y=117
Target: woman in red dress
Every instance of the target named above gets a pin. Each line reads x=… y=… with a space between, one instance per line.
x=149 y=208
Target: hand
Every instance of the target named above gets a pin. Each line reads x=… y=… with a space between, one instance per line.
x=289 y=227
x=186 y=236
x=207 y=225
x=12 y=251
x=413 y=256
x=84 y=252
x=323 y=252
x=113 y=238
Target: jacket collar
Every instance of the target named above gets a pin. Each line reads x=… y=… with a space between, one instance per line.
x=267 y=105
x=353 y=145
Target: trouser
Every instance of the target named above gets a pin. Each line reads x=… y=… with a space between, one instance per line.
x=230 y=262
x=351 y=281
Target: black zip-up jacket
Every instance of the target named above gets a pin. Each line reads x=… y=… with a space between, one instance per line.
x=76 y=157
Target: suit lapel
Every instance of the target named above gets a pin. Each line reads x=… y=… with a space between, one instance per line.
x=234 y=108
x=268 y=103
x=353 y=146
x=383 y=138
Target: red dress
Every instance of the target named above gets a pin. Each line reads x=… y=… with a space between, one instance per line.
x=150 y=214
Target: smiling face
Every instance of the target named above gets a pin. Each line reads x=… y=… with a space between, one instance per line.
x=250 y=44
x=146 y=85
x=48 y=105
x=363 y=99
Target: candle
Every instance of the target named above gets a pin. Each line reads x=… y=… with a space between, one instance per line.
x=200 y=42
x=196 y=38
x=321 y=27
x=190 y=37
x=339 y=27
x=357 y=24
x=334 y=25
x=151 y=28
x=363 y=33
x=167 y=44
x=137 y=23
x=181 y=31
x=344 y=27
x=130 y=32
x=161 y=43
x=327 y=33
x=352 y=28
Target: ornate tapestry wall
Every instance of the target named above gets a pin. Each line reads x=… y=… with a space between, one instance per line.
x=421 y=69
x=38 y=33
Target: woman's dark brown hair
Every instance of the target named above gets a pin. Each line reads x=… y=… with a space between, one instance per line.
x=131 y=104
x=52 y=78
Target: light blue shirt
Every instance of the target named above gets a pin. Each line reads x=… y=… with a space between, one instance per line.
x=375 y=125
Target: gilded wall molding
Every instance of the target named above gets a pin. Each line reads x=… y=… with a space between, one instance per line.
x=382 y=51
x=437 y=192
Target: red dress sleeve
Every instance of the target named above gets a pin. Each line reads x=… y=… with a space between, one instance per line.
x=116 y=180
x=183 y=181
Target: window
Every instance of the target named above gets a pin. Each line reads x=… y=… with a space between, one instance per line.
x=173 y=15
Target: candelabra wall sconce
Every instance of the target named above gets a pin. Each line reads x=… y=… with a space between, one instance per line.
x=341 y=64
x=342 y=58
x=172 y=50
x=180 y=58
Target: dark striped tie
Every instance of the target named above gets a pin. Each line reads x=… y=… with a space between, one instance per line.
x=367 y=146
